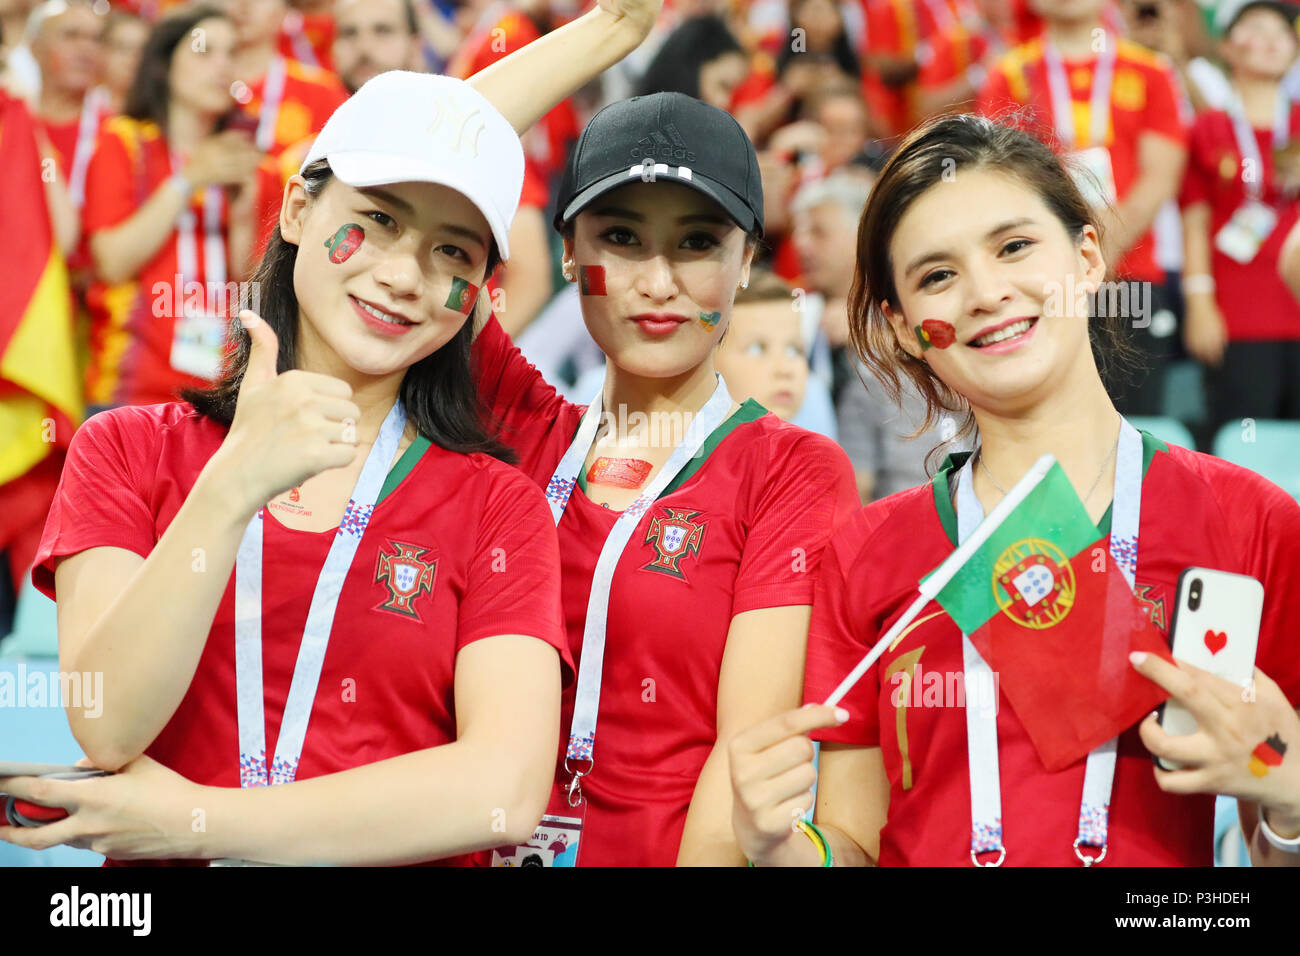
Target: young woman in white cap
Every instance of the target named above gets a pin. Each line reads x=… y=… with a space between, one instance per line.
x=690 y=526
x=391 y=627
x=958 y=290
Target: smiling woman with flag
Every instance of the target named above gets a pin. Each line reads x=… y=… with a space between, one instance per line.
x=1060 y=599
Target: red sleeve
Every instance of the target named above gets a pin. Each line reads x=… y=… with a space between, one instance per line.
x=110 y=192
x=1164 y=109
x=509 y=386
x=836 y=644
x=809 y=489
x=1273 y=558
x=1197 y=177
x=100 y=500
x=513 y=585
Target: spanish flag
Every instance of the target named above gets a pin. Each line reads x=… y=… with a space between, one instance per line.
x=40 y=390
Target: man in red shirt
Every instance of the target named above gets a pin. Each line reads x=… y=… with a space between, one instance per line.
x=1125 y=132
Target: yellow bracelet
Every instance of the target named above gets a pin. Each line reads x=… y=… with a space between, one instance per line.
x=819 y=840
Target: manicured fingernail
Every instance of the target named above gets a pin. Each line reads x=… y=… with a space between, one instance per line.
x=1137 y=658
x=841 y=714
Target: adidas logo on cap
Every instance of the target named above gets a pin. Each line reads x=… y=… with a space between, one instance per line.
x=663 y=144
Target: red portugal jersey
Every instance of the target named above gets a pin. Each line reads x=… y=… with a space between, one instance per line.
x=386 y=687
x=1197 y=511
x=1255 y=302
x=1144 y=98
x=756 y=509
x=310 y=96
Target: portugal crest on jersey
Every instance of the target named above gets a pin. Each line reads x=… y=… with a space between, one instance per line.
x=406 y=576
x=673 y=537
x=1034 y=583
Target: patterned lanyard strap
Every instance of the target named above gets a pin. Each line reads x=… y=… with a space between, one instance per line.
x=214 y=243
x=1248 y=146
x=1063 y=103
x=981 y=726
x=320 y=620
x=582 y=734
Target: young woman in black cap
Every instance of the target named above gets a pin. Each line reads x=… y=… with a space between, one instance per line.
x=690 y=526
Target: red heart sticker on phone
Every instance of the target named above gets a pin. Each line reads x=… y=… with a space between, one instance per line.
x=1216 y=641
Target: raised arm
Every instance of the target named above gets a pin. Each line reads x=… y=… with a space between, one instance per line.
x=526 y=85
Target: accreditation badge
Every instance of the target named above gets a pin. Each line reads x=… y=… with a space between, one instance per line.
x=198 y=343
x=1241 y=236
x=554 y=842
x=1094 y=175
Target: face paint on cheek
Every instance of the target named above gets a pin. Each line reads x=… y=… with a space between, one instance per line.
x=591 y=280
x=940 y=334
x=462 y=296
x=710 y=320
x=344 y=242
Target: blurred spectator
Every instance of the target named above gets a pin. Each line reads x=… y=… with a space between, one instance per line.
x=124 y=37
x=1239 y=203
x=1177 y=29
x=954 y=63
x=818 y=54
x=285 y=99
x=878 y=435
x=701 y=58
x=22 y=77
x=373 y=37
x=168 y=216
x=65 y=39
x=1128 y=152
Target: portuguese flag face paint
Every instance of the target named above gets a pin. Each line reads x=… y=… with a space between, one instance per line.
x=462 y=296
x=344 y=242
x=591 y=280
x=1050 y=611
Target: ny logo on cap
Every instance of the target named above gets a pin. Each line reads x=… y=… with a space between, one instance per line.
x=459 y=122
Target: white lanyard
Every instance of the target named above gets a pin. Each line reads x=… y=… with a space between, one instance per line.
x=1248 y=146
x=320 y=619
x=582 y=734
x=1063 y=103
x=87 y=127
x=272 y=93
x=294 y=27
x=982 y=727
x=214 y=243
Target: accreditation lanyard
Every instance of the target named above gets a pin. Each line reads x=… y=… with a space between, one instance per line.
x=982 y=727
x=320 y=619
x=1063 y=104
x=272 y=94
x=214 y=243
x=1248 y=145
x=87 y=127
x=582 y=734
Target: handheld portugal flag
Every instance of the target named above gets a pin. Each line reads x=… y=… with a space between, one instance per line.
x=1051 y=613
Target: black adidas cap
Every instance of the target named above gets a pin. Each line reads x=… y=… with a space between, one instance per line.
x=665 y=137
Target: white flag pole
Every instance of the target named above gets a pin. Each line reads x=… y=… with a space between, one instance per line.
x=936 y=582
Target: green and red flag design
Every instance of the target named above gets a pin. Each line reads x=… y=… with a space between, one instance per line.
x=462 y=296
x=1051 y=613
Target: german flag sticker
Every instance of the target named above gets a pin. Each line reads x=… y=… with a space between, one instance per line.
x=1268 y=754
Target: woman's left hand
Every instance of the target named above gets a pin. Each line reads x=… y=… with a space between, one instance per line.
x=1246 y=744
x=145 y=811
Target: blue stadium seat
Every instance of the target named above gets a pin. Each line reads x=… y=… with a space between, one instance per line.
x=1168 y=430
x=1269 y=448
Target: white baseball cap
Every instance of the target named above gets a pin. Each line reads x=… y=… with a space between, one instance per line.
x=416 y=127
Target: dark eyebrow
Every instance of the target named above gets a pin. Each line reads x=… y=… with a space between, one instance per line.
x=403 y=206
x=615 y=212
x=942 y=254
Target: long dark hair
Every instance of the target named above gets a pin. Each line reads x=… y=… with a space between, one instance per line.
x=943 y=145
x=676 y=67
x=438 y=392
x=150 y=91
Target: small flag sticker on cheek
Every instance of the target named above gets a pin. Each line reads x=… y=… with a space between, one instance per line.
x=940 y=334
x=591 y=280
x=344 y=242
x=462 y=296
x=710 y=319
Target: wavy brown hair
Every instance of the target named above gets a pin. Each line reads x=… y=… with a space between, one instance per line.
x=933 y=150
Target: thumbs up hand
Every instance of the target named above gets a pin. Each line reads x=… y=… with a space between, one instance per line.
x=287 y=426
